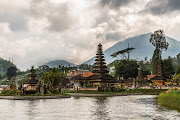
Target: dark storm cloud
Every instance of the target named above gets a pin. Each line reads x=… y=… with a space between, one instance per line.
x=163 y=6
x=58 y=15
x=114 y=4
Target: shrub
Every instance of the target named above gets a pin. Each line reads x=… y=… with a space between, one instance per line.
x=49 y=92
x=89 y=85
x=152 y=91
x=174 y=91
x=119 y=90
x=37 y=93
x=9 y=92
x=171 y=99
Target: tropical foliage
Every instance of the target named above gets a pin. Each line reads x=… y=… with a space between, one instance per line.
x=122 y=52
x=155 y=59
x=177 y=78
x=158 y=40
x=126 y=69
x=53 y=78
x=11 y=72
x=172 y=98
x=168 y=67
x=4 y=65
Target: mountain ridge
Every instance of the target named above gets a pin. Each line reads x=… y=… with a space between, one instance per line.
x=143 y=48
x=56 y=63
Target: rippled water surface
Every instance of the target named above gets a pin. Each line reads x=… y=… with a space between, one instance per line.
x=141 y=107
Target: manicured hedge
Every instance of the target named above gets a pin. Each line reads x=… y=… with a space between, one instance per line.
x=170 y=99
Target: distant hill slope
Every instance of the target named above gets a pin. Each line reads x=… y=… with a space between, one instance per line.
x=4 y=65
x=143 y=48
x=56 y=63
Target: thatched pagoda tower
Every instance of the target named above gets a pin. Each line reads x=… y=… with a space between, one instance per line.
x=160 y=78
x=100 y=65
x=98 y=77
x=30 y=85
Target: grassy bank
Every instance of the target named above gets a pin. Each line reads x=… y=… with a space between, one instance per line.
x=143 y=91
x=99 y=92
x=18 y=93
x=171 y=99
x=151 y=91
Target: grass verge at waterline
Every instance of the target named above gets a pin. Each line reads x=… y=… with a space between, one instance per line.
x=170 y=99
x=34 y=97
x=142 y=91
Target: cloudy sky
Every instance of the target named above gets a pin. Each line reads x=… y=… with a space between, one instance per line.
x=33 y=32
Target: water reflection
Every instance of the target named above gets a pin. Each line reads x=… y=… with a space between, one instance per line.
x=140 y=107
x=101 y=110
x=77 y=97
x=158 y=112
x=32 y=109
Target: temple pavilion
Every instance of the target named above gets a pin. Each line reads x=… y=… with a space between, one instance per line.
x=98 y=77
x=30 y=85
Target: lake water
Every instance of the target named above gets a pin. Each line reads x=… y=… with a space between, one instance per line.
x=139 y=107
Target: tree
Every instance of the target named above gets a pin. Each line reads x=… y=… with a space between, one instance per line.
x=177 y=78
x=154 y=62
x=123 y=52
x=44 y=68
x=11 y=72
x=53 y=78
x=178 y=59
x=126 y=69
x=146 y=72
x=158 y=40
x=178 y=71
x=168 y=67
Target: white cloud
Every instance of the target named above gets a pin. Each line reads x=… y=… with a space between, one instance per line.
x=5 y=29
x=34 y=32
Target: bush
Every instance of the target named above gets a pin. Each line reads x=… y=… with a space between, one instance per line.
x=49 y=92
x=152 y=91
x=89 y=85
x=37 y=93
x=174 y=91
x=9 y=92
x=171 y=98
x=118 y=90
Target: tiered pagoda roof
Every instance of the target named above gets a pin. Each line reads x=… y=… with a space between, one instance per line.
x=100 y=66
x=32 y=77
x=99 y=72
x=160 y=74
x=159 y=68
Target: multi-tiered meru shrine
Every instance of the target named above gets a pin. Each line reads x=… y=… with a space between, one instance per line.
x=98 y=77
x=30 y=85
x=159 y=78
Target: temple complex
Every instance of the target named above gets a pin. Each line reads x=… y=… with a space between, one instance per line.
x=30 y=85
x=73 y=73
x=98 y=77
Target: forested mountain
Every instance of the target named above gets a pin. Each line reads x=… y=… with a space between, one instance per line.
x=143 y=48
x=4 y=65
x=56 y=63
